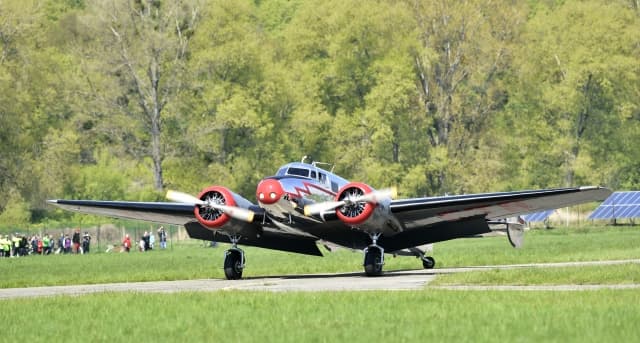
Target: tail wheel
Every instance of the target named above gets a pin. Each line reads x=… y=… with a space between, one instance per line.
x=373 y=262
x=428 y=262
x=233 y=265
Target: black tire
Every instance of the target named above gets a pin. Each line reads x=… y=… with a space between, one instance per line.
x=373 y=262
x=233 y=265
x=428 y=262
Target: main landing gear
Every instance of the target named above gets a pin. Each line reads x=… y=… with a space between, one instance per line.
x=373 y=257
x=234 y=260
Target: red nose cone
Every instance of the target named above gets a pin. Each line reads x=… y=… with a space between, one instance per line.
x=269 y=191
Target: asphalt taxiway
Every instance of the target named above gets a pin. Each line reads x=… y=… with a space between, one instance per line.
x=391 y=280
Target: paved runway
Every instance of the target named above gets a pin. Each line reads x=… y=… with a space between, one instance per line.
x=392 y=280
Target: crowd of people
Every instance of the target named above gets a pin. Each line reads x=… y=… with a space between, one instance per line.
x=22 y=245
x=17 y=244
x=147 y=241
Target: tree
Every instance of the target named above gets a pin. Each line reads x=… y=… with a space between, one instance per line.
x=144 y=46
x=578 y=88
x=460 y=68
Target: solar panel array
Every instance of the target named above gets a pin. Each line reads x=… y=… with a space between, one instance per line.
x=537 y=216
x=619 y=205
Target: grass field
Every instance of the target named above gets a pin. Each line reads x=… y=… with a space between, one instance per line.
x=428 y=315
x=585 y=275
x=191 y=260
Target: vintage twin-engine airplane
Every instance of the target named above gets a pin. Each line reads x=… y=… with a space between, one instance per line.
x=303 y=205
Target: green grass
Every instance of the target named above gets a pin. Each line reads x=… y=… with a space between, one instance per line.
x=427 y=315
x=432 y=315
x=582 y=275
x=190 y=260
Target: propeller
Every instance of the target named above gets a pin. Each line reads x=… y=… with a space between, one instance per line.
x=232 y=211
x=374 y=196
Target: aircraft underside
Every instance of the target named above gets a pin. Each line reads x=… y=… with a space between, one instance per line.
x=373 y=245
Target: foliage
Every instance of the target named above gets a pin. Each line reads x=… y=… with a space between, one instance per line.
x=124 y=99
x=16 y=213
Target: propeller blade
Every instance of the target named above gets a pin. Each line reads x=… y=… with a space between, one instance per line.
x=377 y=195
x=235 y=212
x=184 y=198
x=320 y=207
x=232 y=211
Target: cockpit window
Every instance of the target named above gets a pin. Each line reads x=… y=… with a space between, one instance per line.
x=281 y=172
x=298 y=172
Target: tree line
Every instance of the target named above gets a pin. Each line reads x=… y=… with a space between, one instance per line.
x=125 y=99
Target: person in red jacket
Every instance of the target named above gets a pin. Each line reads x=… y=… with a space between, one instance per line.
x=126 y=243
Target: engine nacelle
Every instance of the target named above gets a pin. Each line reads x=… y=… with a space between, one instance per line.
x=356 y=213
x=214 y=218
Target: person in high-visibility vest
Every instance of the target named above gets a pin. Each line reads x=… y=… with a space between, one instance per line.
x=46 y=244
x=3 y=244
x=16 y=245
x=7 y=246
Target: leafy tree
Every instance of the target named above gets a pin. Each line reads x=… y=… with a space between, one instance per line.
x=16 y=213
x=464 y=55
x=578 y=92
x=144 y=44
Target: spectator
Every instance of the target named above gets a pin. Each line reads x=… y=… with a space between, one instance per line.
x=126 y=243
x=4 y=246
x=23 y=246
x=46 y=244
x=67 y=244
x=76 y=241
x=60 y=243
x=162 y=235
x=152 y=240
x=39 y=246
x=16 y=245
x=142 y=244
x=145 y=238
x=86 y=242
x=34 y=244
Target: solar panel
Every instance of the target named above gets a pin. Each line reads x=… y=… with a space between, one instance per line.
x=537 y=216
x=601 y=213
x=618 y=206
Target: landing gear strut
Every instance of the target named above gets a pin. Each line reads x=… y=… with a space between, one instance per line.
x=234 y=260
x=373 y=257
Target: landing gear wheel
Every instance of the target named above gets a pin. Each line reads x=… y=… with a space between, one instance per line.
x=233 y=264
x=428 y=262
x=373 y=261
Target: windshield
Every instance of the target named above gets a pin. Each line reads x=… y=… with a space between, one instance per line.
x=298 y=172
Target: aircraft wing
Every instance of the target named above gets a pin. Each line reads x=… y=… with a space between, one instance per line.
x=158 y=212
x=421 y=212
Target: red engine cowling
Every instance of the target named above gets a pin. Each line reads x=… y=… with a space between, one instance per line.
x=210 y=217
x=355 y=213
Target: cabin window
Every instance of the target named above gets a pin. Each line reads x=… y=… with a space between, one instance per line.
x=322 y=177
x=313 y=174
x=334 y=187
x=298 y=172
